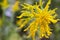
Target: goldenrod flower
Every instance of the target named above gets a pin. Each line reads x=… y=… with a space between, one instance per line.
x=16 y=6
x=42 y=19
x=4 y=4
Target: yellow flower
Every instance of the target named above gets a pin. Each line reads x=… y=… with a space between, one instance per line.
x=42 y=19
x=16 y=6
x=4 y=4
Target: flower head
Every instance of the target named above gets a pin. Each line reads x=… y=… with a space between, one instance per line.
x=4 y=4
x=42 y=19
x=16 y=6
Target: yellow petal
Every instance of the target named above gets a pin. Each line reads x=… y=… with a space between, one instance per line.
x=47 y=5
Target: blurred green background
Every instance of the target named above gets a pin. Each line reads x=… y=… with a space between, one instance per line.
x=8 y=20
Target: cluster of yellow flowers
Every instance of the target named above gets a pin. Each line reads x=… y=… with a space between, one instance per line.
x=5 y=5
x=42 y=18
x=15 y=6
